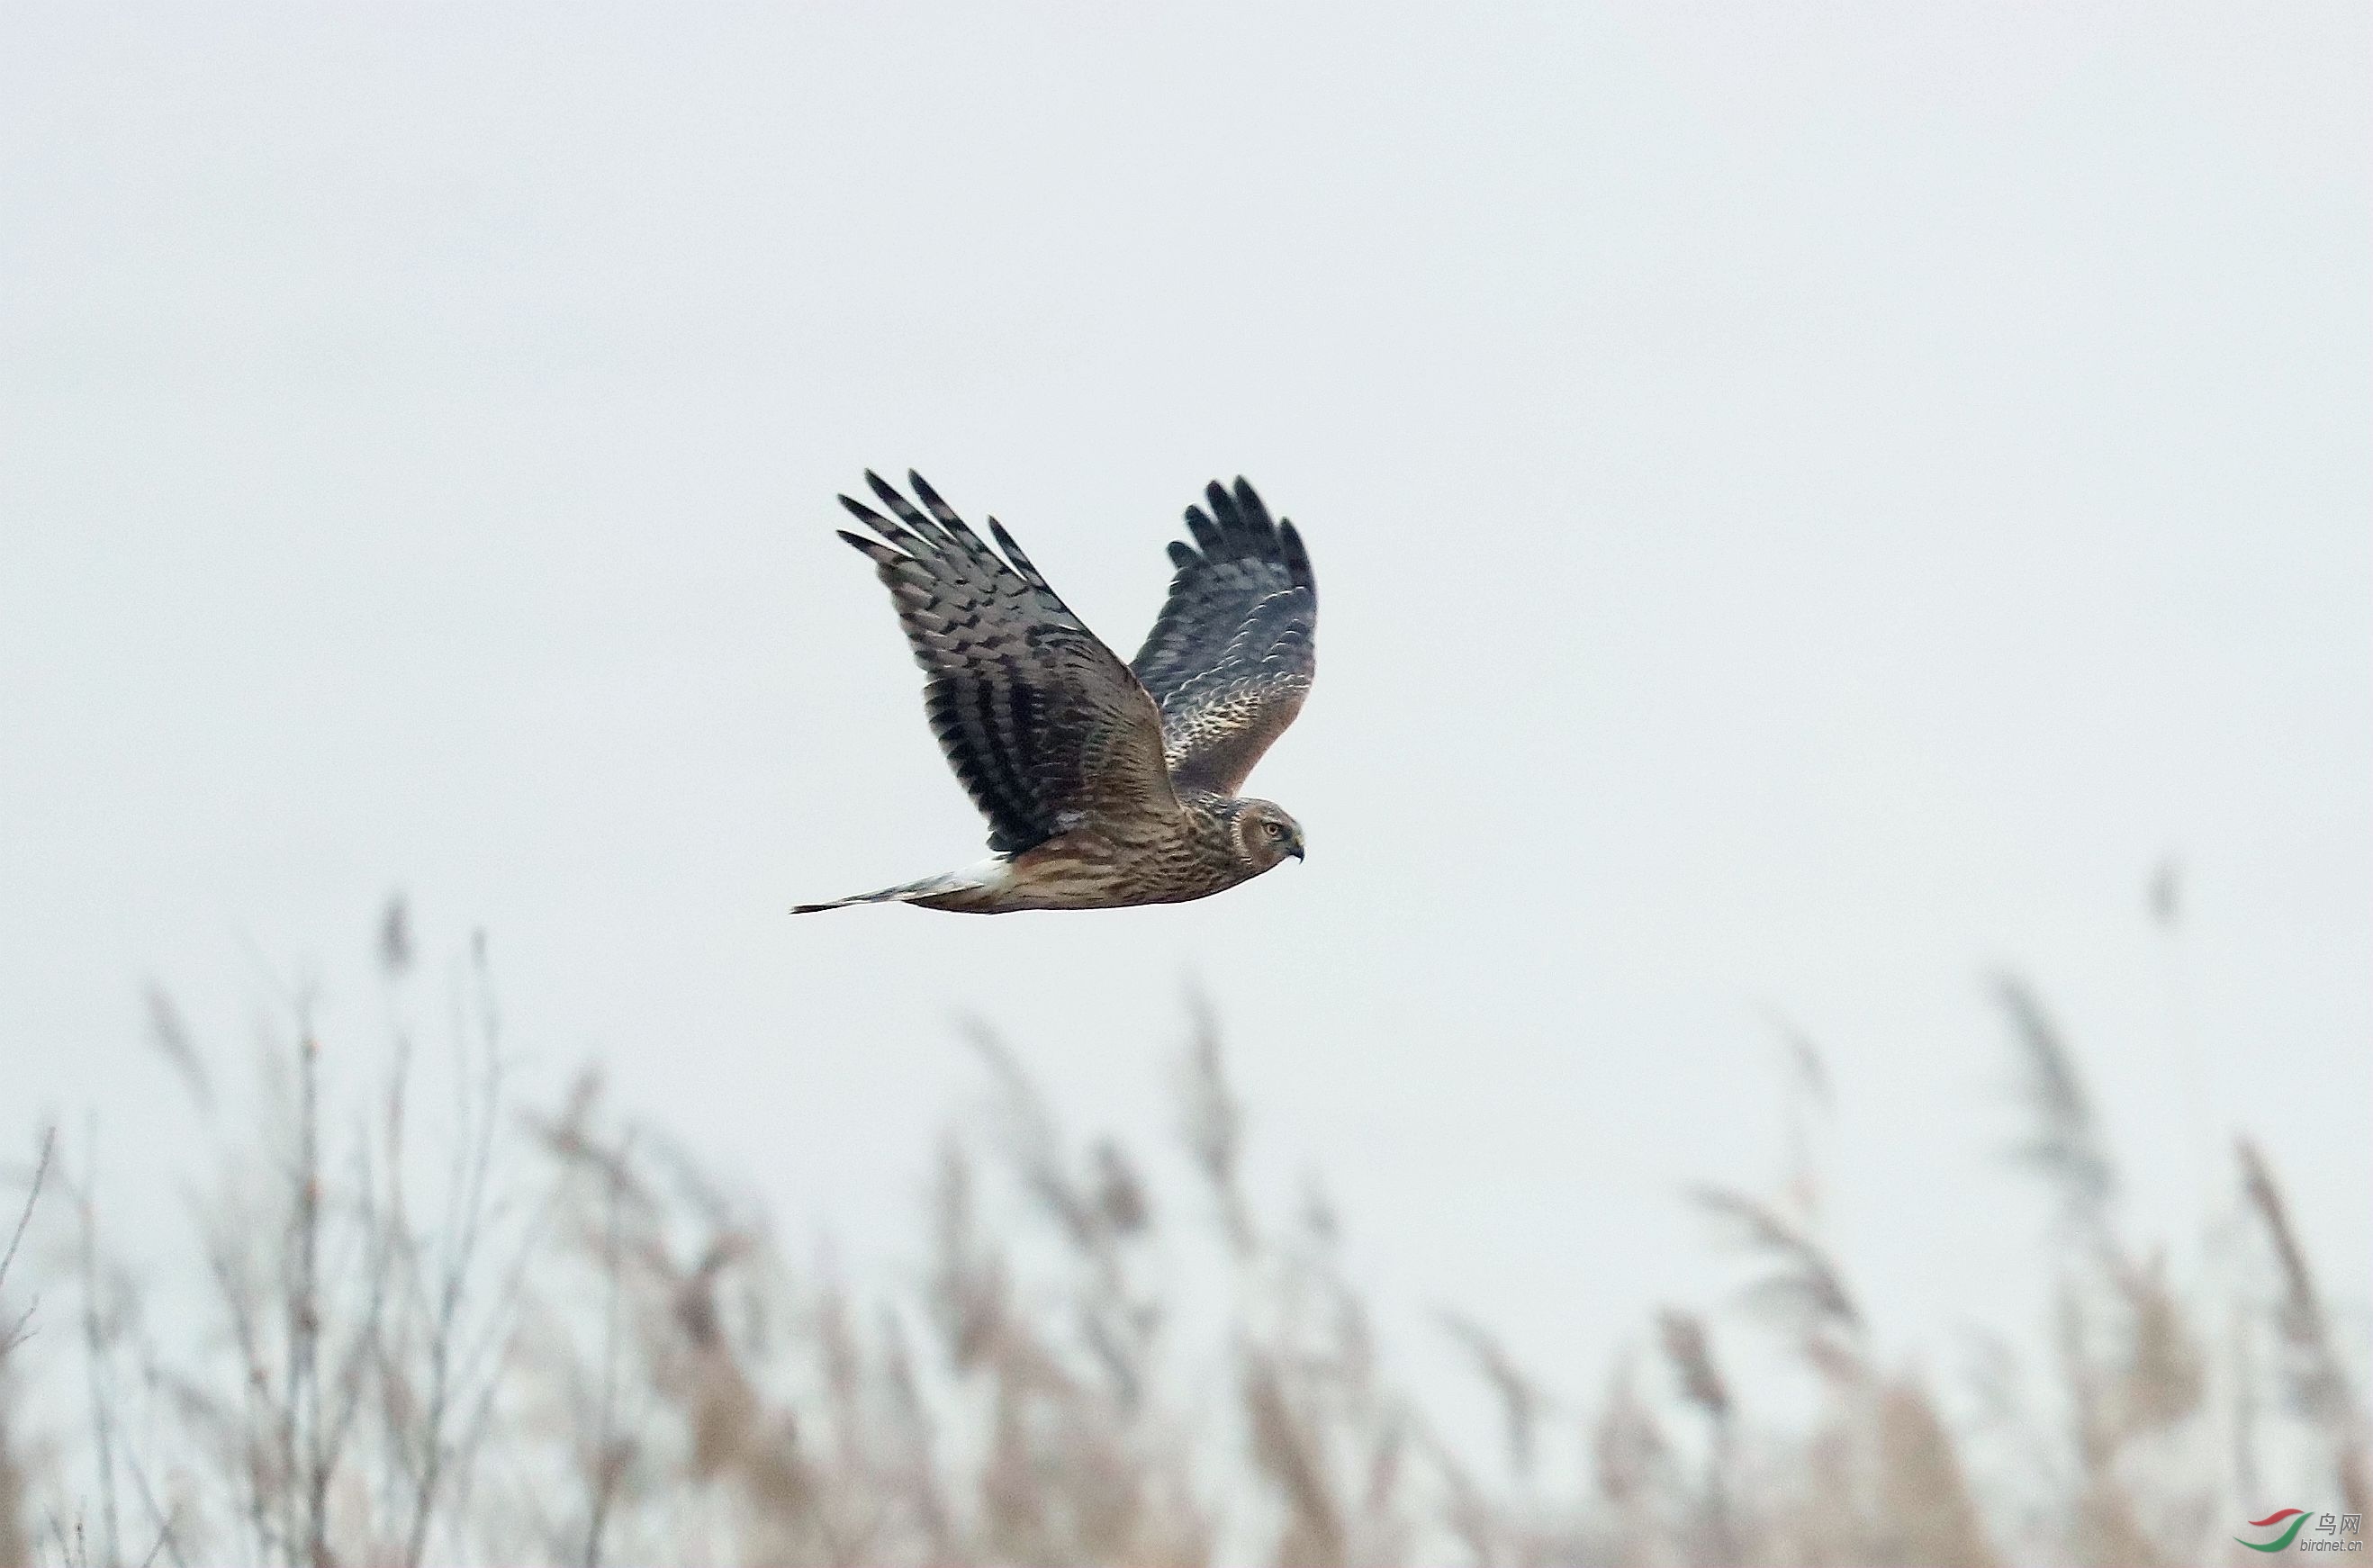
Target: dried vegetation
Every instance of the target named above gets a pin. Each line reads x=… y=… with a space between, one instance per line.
x=483 y=1335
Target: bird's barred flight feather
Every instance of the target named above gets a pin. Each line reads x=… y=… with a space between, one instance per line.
x=1234 y=651
x=1039 y=720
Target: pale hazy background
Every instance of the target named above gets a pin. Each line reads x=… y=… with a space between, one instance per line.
x=1807 y=506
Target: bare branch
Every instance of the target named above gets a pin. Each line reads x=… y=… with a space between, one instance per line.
x=15 y=1333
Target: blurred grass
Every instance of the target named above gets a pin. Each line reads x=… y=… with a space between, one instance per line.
x=552 y=1335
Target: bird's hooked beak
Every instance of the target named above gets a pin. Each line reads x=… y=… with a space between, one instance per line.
x=1296 y=851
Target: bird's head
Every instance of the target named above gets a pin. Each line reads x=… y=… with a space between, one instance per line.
x=1266 y=836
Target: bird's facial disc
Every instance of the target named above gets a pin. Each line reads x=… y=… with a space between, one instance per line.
x=1269 y=836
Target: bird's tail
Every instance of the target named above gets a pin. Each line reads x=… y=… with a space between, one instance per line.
x=966 y=889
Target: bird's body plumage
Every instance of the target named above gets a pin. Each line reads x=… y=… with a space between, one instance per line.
x=1105 y=784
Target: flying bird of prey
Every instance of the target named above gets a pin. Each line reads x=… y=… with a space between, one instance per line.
x=1105 y=784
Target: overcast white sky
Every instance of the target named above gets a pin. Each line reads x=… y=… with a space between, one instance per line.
x=1809 y=503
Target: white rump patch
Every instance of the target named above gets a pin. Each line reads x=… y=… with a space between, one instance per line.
x=997 y=872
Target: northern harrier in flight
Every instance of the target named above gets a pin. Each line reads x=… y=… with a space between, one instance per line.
x=1105 y=784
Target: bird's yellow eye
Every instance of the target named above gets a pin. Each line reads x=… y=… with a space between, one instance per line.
x=1274 y=829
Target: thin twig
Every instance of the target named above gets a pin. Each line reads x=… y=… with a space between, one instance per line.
x=97 y=1357
x=15 y=1333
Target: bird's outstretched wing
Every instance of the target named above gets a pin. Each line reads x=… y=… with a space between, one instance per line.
x=1043 y=723
x=1232 y=655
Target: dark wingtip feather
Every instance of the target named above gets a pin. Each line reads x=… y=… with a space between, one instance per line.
x=869 y=518
x=897 y=503
x=1207 y=532
x=884 y=526
x=1181 y=555
x=1015 y=555
x=1223 y=509
x=930 y=498
x=945 y=516
x=1255 y=514
x=1297 y=558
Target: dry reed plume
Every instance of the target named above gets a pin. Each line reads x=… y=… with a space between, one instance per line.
x=466 y=1333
